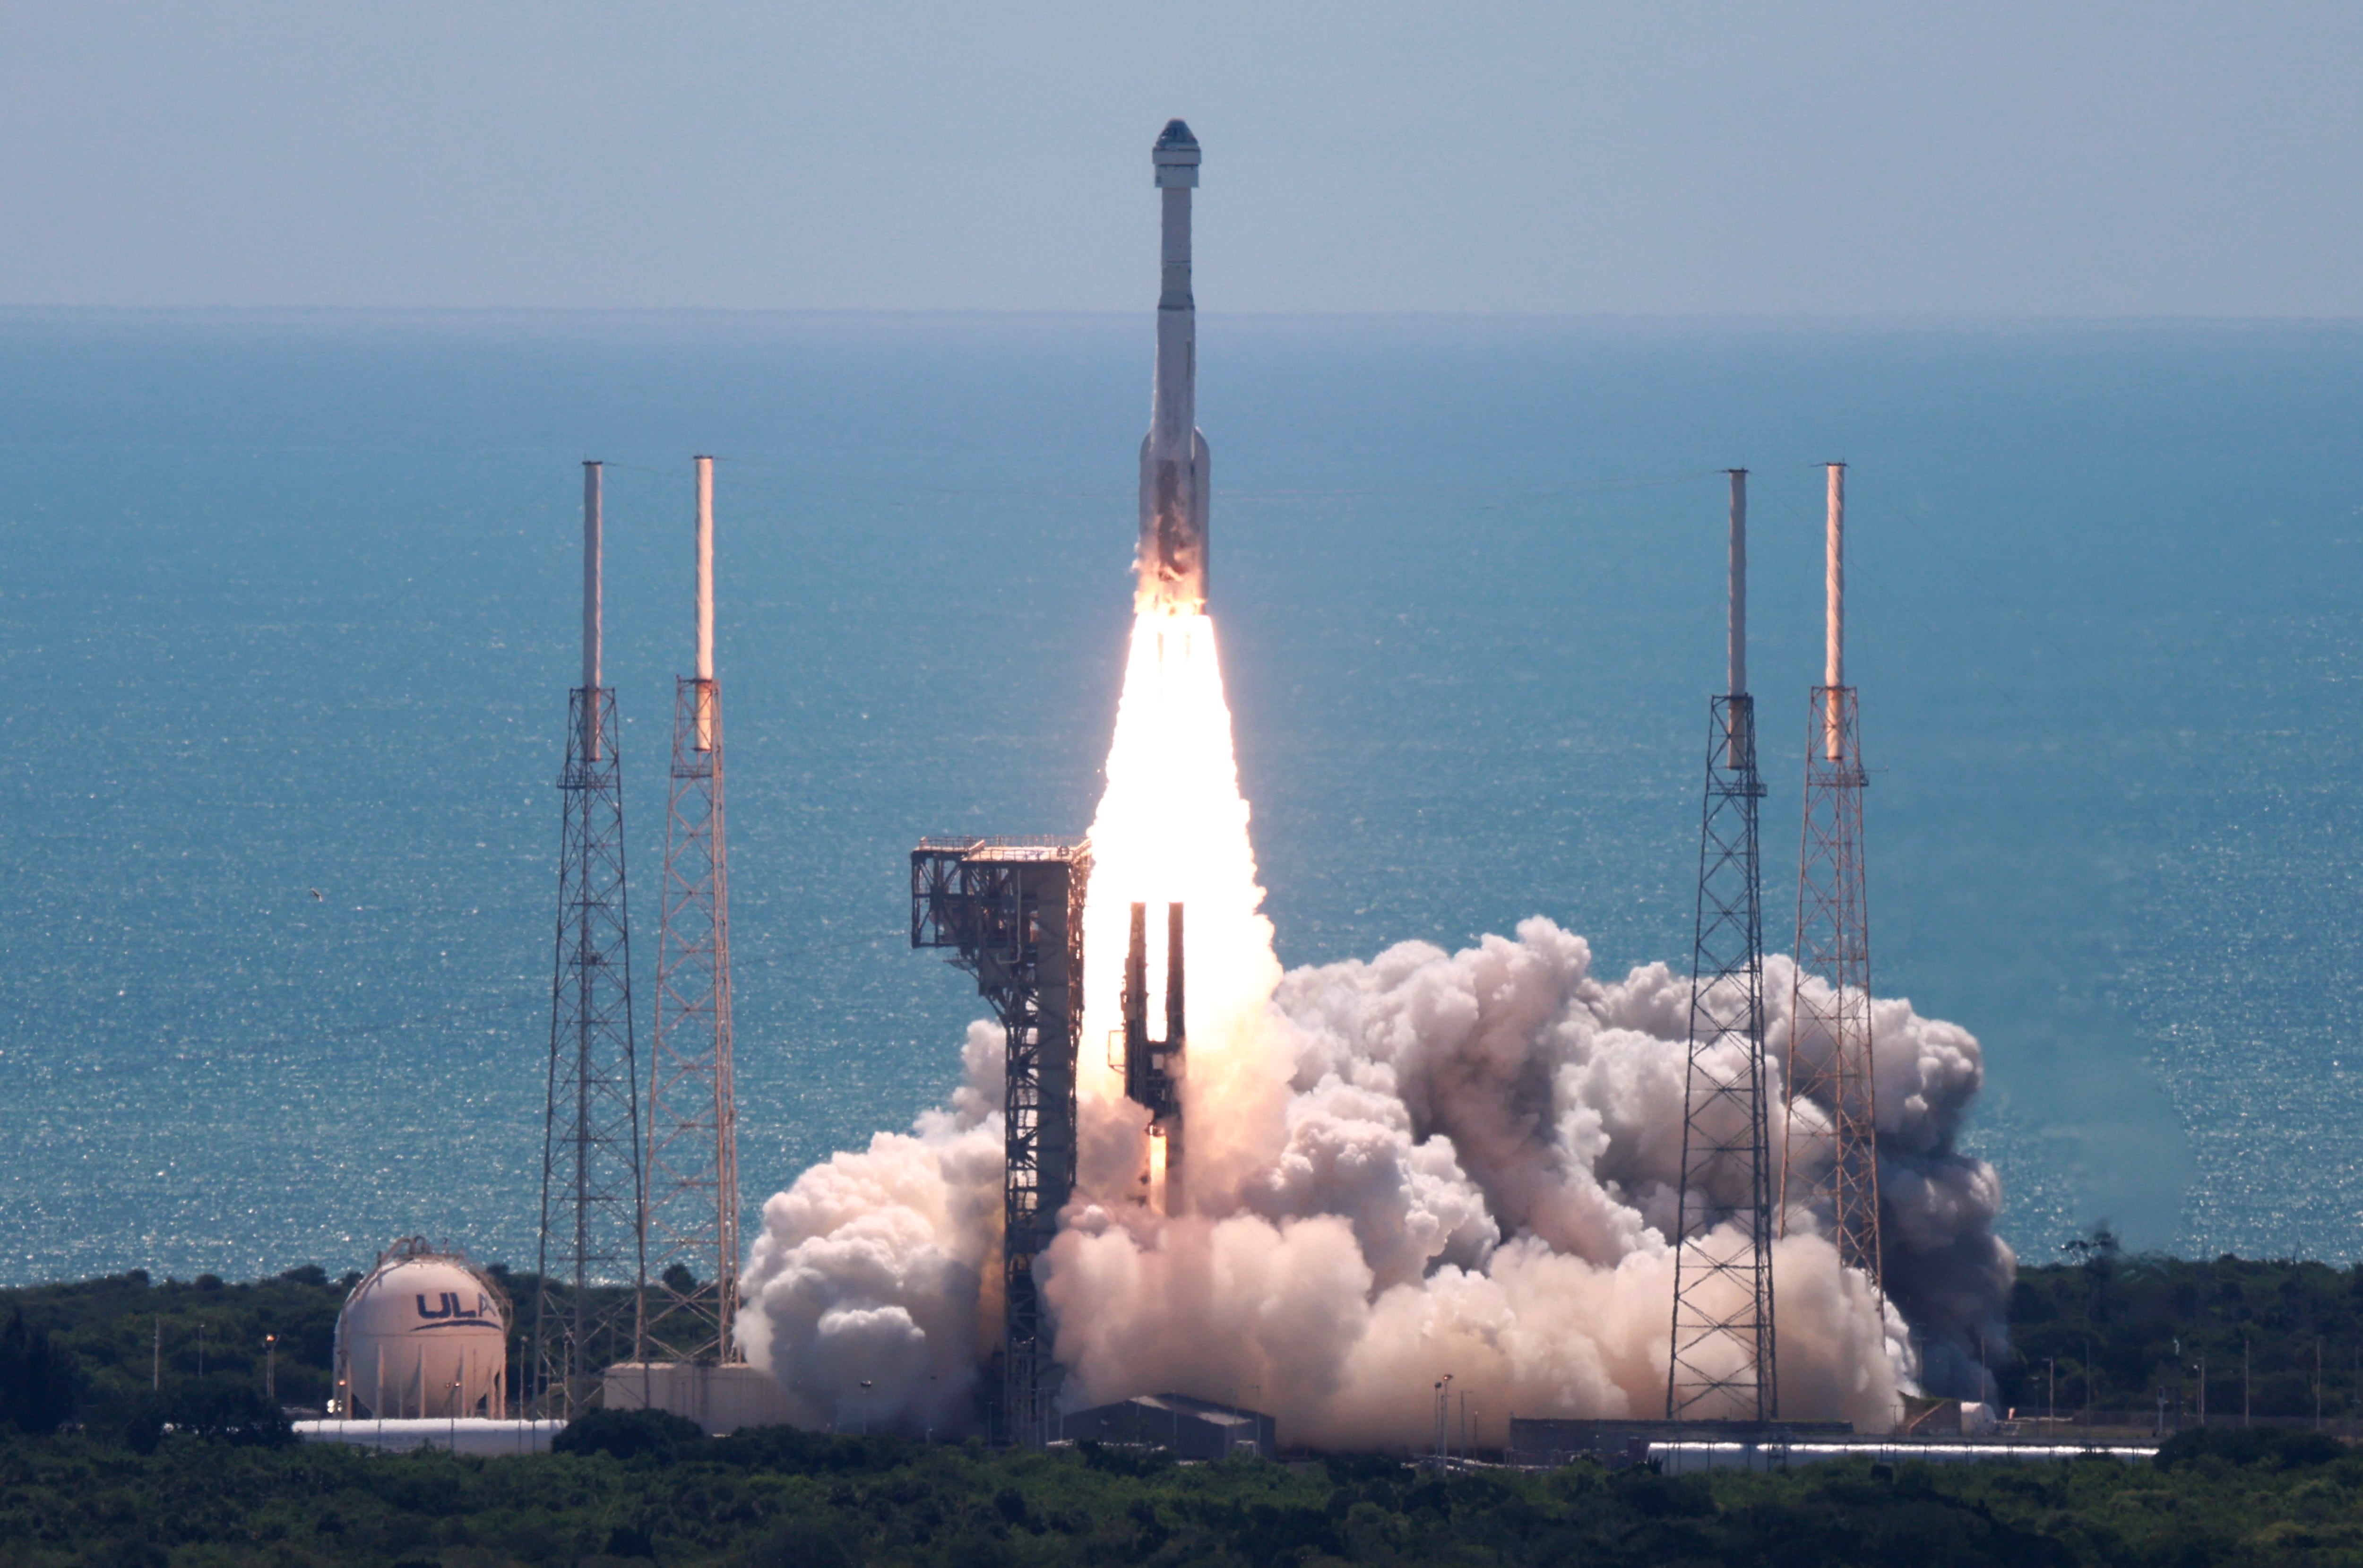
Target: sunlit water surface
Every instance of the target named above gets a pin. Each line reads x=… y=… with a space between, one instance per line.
x=288 y=604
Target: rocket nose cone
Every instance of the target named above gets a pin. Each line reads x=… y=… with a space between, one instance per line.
x=1177 y=134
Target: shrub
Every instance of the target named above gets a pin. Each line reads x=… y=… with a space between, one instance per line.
x=1124 y=1459
x=629 y=1434
x=225 y=1408
x=2280 y=1449
x=38 y=1380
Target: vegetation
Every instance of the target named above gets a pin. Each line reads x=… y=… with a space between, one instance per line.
x=780 y=1496
x=180 y=1463
x=38 y=1385
x=125 y=1351
x=2110 y=1331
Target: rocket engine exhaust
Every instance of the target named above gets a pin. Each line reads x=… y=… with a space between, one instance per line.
x=1422 y=1161
x=1171 y=558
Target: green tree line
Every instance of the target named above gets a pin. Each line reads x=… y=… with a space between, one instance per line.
x=633 y=1489
x=2108 y=1329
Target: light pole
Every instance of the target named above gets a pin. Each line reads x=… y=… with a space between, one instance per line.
x=1443 y=1418
x=270 y=1367
x=2051 y=1395
x=865 y=1407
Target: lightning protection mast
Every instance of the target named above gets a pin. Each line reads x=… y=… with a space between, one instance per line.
x=1830 y=1156
x=692 y=1106
x=1720 y=1363
x=594 y=1198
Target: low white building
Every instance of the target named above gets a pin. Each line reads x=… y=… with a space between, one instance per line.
x=720 y=1396
x=460 y=1434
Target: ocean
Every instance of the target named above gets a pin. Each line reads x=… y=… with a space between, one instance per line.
x=287 y=620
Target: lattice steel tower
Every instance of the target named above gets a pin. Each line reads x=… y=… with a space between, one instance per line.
x=1720 y=1364
x=692 y=1108
x=1830 y=1162
x=1012 y=909
x=593 y=1203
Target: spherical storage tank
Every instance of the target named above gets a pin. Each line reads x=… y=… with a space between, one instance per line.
x=425 y=1334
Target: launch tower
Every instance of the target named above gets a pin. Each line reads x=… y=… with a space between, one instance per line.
x=693 y=1108
x=1833 y=1166
x=594 y=1199
x=1012 y=910
x=1722 y=1362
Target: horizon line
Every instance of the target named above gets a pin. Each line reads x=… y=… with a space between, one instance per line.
x=1015 y=314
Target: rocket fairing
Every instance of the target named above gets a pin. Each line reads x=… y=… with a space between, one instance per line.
x=1171 y=558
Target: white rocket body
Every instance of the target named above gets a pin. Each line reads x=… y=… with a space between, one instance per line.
x=1171 y=558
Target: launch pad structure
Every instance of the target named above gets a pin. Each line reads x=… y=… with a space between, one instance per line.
x=1721 y=1363
x=593 y=1196
x=1012 y=912
x=1834 y=1168
x=692 y=1162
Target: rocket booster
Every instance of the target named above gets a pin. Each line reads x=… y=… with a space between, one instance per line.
x=1153 y=1068
x=1172 y=559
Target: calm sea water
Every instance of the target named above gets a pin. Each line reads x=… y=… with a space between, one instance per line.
x=286 y=603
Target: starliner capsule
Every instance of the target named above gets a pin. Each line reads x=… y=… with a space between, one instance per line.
x=1172 y=560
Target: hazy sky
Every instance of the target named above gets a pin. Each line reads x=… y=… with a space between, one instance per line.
x=1951 y=159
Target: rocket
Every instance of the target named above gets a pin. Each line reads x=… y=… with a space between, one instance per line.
x=1171 y=558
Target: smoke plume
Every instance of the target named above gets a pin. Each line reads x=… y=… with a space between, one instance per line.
x=1423 y=1164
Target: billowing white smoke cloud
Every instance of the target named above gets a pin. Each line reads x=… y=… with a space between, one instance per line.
x=874 y=1288
x=1470 y=1170
x=1431 y=1163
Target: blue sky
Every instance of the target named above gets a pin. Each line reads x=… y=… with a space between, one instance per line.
x=2000 y=158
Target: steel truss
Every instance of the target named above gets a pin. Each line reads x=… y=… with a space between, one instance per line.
x=1012 y=909
x=693 y=1118
x=593 y=1202
x=1722 y=1364
x=1832 y=1165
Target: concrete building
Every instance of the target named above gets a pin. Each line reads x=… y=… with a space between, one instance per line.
x=720 y=1396
x=1188 y=1428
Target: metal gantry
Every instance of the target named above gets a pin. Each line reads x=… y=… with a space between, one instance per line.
x=1012 y=910
x=693 y=1100
x=1830 y=1158
x=592 y=1193
x=1721 y=1363
x=693 y=1115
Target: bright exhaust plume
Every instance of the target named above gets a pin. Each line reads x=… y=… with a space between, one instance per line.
x=1427 y=1163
